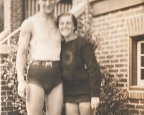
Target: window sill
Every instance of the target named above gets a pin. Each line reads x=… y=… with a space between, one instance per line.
x=137 y=88
x=136 y=92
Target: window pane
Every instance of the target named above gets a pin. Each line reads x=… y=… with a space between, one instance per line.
x=142 y=74
x=142 y=48
x=142 y=61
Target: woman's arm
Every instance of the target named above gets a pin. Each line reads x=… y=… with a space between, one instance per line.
x=94 y=73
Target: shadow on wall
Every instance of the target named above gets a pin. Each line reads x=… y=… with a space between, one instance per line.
x=1 y=16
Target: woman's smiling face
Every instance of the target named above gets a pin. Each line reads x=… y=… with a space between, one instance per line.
x=66 y=26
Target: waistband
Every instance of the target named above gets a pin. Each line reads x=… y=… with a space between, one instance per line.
x=45 y=62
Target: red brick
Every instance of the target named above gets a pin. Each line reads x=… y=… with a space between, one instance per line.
x=120 y=15
x=102 y=57
x=142 y=101
x=141 y=112
x=119 y=65
x=114 y=60
x=97 y=25
x=123 y=60
x=124 y=40
x=3 y=82
x=140 y=11
x=120 y=85
x=123 y=80
x=119 y=55
x=4 y=88
x=105 y=52
x=3 y=93
x=119 y=46
x=114 y=51
x=110 y=56
x=134 y=112
x=13 y=113
x=111 y=27
x=3 y=104
x=114 y=32
x=113 y=22
x=123 y=70
x=109 y=47
x=123 y=50
x=105 y=43
x=101 y=20
x=134 y=101
x=3 y=113
x=119 y=36
x=111 y=17
x=130 y=13
x=105 y=24
x=130 y=106
x=126 y=75
x=106 y=61
x=123 y=20
x=7 y=108
x=140 y=107
x=120 y=75
x=114 y=70
x=114 y=42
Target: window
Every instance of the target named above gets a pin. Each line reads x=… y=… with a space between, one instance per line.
x=137 y=62
x=140 y=63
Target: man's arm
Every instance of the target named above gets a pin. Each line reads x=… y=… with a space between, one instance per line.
x=24 y=39
x=23 y=43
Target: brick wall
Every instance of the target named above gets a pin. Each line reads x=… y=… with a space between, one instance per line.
x=16 y=16
x=12 y=14
x=113 y=32
x=7 y=15
x=12 y=20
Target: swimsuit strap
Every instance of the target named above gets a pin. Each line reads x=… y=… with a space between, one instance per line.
x=36 y=26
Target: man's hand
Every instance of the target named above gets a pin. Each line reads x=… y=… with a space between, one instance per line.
x=94 y=102
x=22 y=89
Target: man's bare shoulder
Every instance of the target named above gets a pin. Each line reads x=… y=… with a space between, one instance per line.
x=27 y=24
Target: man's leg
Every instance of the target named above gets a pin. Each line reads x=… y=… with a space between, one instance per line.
x=54 y=101
x=35 y=99
x=85 y=108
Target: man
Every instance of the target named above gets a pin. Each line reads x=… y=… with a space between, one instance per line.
x=40 y=35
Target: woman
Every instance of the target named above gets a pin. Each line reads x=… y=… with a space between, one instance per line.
x=80 y=70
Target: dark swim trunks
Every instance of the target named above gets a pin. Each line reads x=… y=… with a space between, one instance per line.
x=46 y=74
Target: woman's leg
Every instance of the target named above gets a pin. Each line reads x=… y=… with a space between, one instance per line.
x=85 y=108
x=54 y=101
x=72 y=109
x=35 y=99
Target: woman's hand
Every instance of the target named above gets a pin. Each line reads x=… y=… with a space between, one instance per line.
x=22 y=89
x=94 y=102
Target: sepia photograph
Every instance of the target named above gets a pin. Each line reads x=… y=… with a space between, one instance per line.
x=72 y=57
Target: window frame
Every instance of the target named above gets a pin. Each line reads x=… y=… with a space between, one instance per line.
x=139 y=55
x=133 y=61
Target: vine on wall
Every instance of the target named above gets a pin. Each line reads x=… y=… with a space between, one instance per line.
x=9 y=74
